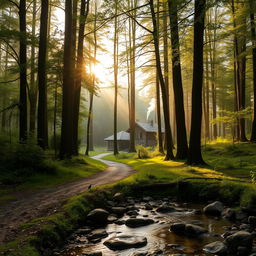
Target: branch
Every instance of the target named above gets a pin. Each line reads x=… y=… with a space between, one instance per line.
x=14 y=3
x=9 y=107
x=10 y=81
x=14 y=57
x=9 y=45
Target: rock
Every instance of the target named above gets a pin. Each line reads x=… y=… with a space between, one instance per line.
x=194 y=230
x=148 y=207
x=83 y=231
x=147 y=199
x=239 y=239
x=229 y=214
x=164 y=208
x=216 y=248
x=92 y=254
x=176 y=247
x=214 y=209
x=138 y=222
x=178 y=228
x=118 y=197
x=119 y=211
x=252 y=221
x=98 y=216
x=187 y=229
x=132 y=213
x=97 y=233
x=242 y=251
x=120 y=222
x=122 y=242
x=245 y=227
x=241 y=216
x=112 y=218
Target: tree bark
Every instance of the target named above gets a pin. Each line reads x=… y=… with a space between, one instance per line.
x=66 y=145
x=169 y=153
x=115 y=78
x=42 y=125
x=33 y=86
x=132 y=87
x=182 y=144
x=23 y=73
x=253 y=37
x=195 y=155
x=84 y=10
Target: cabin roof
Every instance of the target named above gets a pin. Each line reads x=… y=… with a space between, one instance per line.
x=149 y=127
x=120 y=136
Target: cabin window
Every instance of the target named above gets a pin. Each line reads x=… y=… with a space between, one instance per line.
x=141 y=135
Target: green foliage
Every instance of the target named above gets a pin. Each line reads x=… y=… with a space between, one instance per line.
x=18 y=161
x=253 y=177
x=143 y=152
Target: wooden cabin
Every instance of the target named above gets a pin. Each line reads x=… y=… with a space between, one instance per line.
x=145 y=135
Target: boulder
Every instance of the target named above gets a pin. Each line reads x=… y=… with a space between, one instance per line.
x=138 y=222
x=216 y=248
x=98 y=216
x=252 y=221
x=214 y=208
x=165 y=208
x=239 y=239
x=97 y=233
x=178 y=228
x=119 y=211
x=194 y=230
x=187 y=229
x=118 y=197
x=229 y=214
x=122 y=242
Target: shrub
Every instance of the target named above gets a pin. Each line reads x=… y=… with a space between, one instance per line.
x=19 y=161
x=143 y=152
x=123 y=156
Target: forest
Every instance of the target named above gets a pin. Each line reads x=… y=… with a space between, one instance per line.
x=112 y=112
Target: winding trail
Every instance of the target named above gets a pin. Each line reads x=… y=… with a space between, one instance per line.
x=30 y=205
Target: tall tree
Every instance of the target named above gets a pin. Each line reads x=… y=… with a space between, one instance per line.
x=84 y=10
x=33 y=86
x=169 y=152
x=89 y=131
x=182 y=144
x=66 y=144
x=23 y=72
x=253 y=36
x=115 y=76
x=195 y=155
x=42 y=125
x=158 y=99
x=132 y=39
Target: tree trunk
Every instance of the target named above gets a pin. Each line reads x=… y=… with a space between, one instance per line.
x=182 y=144
x=23 y=73
x=195 y=155
x=33 y=86
x=89 y=136
x=253 y=36
x=42 y=124
x=84 y=10
x=115 y=78
x=132 y=87
x=169 y=153
x=68 y=88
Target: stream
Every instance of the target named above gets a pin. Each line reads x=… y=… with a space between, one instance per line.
x=160 y=240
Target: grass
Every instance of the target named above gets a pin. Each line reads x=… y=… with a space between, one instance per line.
x=66 y=171
x=96 y=151
x=236 y=160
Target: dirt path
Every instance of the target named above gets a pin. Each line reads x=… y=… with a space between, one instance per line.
x=30 y=205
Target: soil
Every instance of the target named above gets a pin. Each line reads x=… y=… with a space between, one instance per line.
x=30 y=204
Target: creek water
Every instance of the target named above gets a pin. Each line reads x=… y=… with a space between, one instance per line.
x=159 y=237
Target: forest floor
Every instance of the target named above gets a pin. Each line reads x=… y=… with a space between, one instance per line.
x=29 y=205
